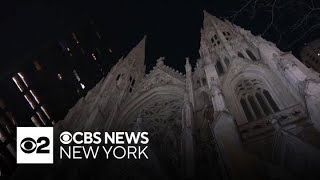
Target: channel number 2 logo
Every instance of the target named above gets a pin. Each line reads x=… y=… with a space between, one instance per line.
x=34 y=145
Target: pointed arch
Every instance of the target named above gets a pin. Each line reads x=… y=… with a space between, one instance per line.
x=255 y=99
x=204 y=81
x=270 y=100
x=251 y=55
x=227 y=62
x=219 y=68
x=240 y=55
x=119 y=75
x=279 y=92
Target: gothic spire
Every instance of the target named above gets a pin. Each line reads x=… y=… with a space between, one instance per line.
x=137 y=54
x=206 y=15
x=207 y=19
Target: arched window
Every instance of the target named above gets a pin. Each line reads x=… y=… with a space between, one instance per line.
x=227 y=35
x=215 y=40
x=263 y=104
x=227 y=62
x=198 y=83
x=219 y=68
x=204 y=81
x=255 y=99
x=255 y=107
x=118 y=77
x=271 y=101
x=246 y=109
x=240 y=55
x=250 y=54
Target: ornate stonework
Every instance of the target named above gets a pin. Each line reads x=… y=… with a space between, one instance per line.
x=219 y=117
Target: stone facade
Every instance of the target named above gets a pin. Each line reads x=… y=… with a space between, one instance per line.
x=247 y=110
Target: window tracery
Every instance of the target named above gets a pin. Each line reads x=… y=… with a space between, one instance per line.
x=215 y=40
x=227 y=35
x=162 y=118
x=255 y=99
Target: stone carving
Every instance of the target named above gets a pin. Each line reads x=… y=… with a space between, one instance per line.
x=162 y=118
x=162 y=113
x=312 y=96
x=160 y=61
x=217 y=97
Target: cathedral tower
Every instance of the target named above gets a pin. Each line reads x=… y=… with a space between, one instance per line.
x=253 y=86
x=246 y=111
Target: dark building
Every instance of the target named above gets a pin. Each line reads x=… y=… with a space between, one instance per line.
x=7 y=139
x=40 y=91
x=310 y=55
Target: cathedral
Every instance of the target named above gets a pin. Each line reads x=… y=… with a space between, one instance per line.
x=247 y=110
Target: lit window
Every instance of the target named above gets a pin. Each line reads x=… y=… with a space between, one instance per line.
x=76 y=75
x=93 y=56
x=35 y=121
x=22 y=78
x=34 y=96
x=75 y=37
x=41 y=117
x=60 y=76
x=17 y=83
x=29 y=101
x=45 y=112
x=82 y=86
x=98 y=34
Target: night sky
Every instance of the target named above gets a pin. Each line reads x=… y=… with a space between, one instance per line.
x=173 y=27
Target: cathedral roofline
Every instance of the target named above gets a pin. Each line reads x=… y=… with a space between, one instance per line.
x=138 y=52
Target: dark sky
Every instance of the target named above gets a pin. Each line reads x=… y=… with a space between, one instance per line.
x=173 y=26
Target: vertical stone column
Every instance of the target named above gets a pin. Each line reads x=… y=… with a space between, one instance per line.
x=294 y=75
x=271 y=56
x=312 y=96
x=210 y=69
x=238 y=163
x=217 y=98
x=187 y=140
x=189 y=84
x=309 y=88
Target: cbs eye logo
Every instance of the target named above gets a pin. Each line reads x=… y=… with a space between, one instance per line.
x=65 y=137
x=29 y=145
x=34 y=145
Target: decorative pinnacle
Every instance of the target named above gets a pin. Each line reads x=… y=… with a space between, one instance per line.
x=187 y=60
x=160 y=61
x=206 y=14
